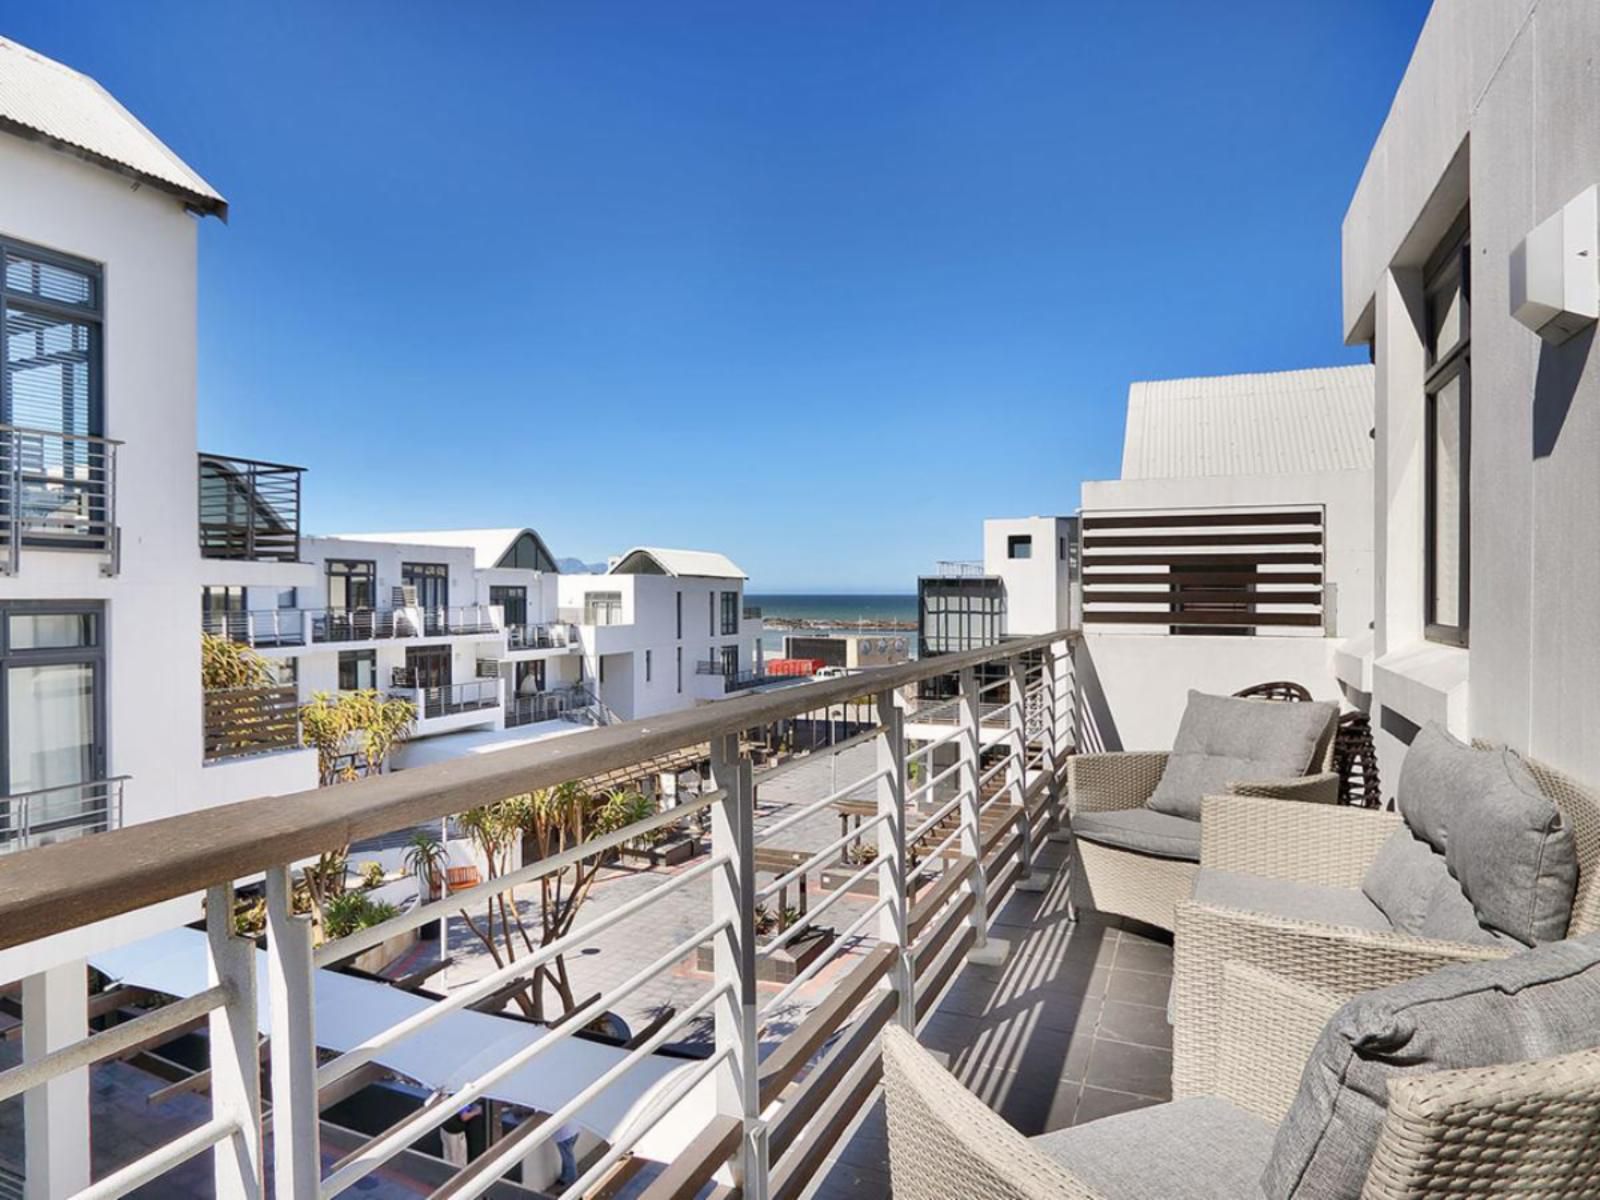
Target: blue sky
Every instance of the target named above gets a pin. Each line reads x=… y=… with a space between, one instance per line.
x=818 y=285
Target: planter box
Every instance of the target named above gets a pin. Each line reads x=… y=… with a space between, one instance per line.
x=836 y=877
x=782 y=965
x=375 y=958
x=670 y=853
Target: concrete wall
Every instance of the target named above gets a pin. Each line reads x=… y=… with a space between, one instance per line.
x=1038 y=588
x=1497 y=108
x=1132 y=688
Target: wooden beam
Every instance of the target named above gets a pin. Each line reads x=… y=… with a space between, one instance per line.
x=803 y=1101
x=694 y=1166
x=925 y=909
x=790 y=1056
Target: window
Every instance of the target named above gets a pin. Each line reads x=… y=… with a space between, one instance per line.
x=730 y=662
x=50 y=377
x=1019 y=545
x=513 y=602
x=680 y=614
x=647 y=666
x=289 y=598
x=601 y=663
x=285 y=671
x=214 y=601
x=432 y=581
x=358 y=670
x=52 y=714
x=711 y=613
x=1448 y=391
x=352 y=584
x=680 y=670
x=602 y=608
x=730 y=613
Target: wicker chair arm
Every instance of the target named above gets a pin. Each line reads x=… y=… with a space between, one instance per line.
x=1321 y=788
x=1266 y=1029
x=1523 y=1129
x=1110 y=782
x=1337 y=960
x=1310 y=843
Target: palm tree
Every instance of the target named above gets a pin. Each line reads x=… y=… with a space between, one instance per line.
x=426 y=858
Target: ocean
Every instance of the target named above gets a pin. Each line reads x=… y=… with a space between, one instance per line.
x=843 y=612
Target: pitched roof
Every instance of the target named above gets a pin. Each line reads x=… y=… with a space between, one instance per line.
x=706 y=564
x=42 y=100
x=1278 y=423
x=488 y=546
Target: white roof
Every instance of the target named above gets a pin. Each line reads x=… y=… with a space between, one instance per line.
x=706 y=564
x=488 y=546
x=43 y=100
x=1279 y=423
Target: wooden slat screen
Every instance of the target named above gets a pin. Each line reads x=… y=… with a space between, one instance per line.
x=243 y=721
x=1198 y=572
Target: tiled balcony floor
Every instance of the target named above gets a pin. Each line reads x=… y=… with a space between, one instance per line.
x=1072 y=1027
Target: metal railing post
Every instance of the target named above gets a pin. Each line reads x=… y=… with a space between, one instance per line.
x=1063 y=699
x=893 y=920
x=235 y=1054
x=55 y=1113
x=296 y=1152
x=733 y=900
x=1017 y=772
x=970 y=744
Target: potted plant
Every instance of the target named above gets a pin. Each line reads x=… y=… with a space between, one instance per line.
x=426 y=858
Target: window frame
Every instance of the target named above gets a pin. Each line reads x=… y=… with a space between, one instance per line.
x=730 y=614
x=92 y=315
x=1452 y=258
x=1016 y=542
x=93 y=656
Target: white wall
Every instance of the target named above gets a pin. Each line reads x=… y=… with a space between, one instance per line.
x=1039 y=587
x=1514 y=78
x=146 y=244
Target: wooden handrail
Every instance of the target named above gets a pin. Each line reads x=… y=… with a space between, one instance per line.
x=70 y=884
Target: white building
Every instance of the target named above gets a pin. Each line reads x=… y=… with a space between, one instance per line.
x=1487 y=432
x=664 y=629
x=1235 y=549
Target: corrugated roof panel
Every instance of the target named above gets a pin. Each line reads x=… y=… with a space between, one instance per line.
x=42 y=98
x=1278 y=423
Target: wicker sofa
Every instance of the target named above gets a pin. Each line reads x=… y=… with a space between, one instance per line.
x=1145 y=882
x=1314 y=953
x=1428 y=1089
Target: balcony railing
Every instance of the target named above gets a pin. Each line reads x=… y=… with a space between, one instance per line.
x=594 y=614
x=58 y=491
x=249 y=510
x=39 y=818
x=772 y=1117
x=470 y=695
x=733 y=680
x=538 y=637
x=550 y=705
x=953 y=568
x=244 y=721
x=752 y=612
x=269 y=627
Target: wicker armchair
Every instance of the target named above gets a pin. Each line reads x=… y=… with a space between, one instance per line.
x=1524 y=1129
x=1148 y=887
x=1331 y=846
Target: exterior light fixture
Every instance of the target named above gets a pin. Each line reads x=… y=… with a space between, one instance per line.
x=1555 y=271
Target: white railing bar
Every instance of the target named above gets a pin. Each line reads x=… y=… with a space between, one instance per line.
x=934 y=857
x=358 y=1056
x=989 y=687
x=821 y=856
x=398 y=1137
x=92 y=1049
x=935 y=744
x=816 y=806
x=160 y=1160
x=1009 y=760
x=943 y=811
x=935 y=781
x=422 y=914
x=816 y=910
x=667 y=1103
x=548 y=1127
x=827 y=956
x=928 y=710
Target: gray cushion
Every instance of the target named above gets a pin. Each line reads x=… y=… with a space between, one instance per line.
x=1411 y=883
x=1201 y=1149
x=1223 y=740
x=1535 y=1004
x=1290 y=899
x=1142 y=830
x=1502 y=838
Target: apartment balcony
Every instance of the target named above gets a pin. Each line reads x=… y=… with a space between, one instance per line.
x=557 y=636
x=58 y=491
x=276 y=628
x=752 y=612
x=733 y=681
x=244 y=722
x=39 y=818
x=576 y=703
x=472 y=697
x=903 y=932
x=249 y=510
